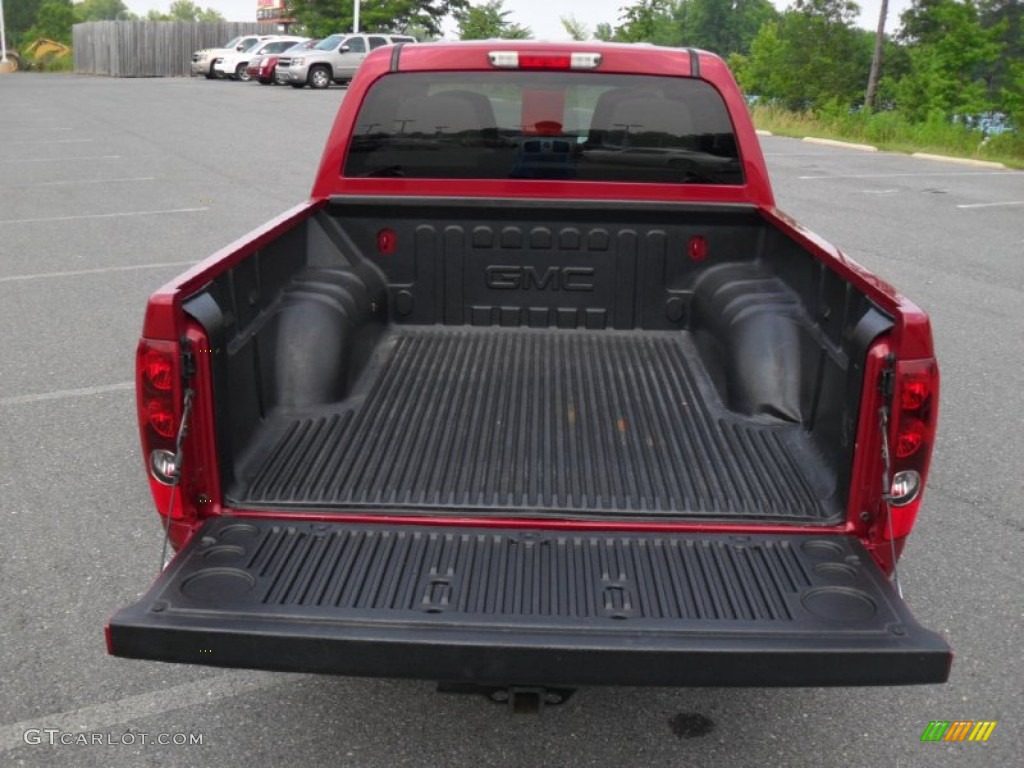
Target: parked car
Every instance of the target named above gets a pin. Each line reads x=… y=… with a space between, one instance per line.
x=262 y=67
x=333 y=59
x=202 y=61
x=234 y=65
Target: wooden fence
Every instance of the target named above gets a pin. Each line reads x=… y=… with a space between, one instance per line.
x=151 y=48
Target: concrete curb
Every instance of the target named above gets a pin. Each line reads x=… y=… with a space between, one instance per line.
x=764 y=133
x=843 y=144
x=959 y=160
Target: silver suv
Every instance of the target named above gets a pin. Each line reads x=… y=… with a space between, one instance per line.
x=333 y=59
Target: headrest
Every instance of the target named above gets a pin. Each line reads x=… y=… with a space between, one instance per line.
x=446 y=112
x=649 y=117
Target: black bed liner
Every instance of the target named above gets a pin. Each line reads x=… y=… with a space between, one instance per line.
x=594 y=423
x=530 y=607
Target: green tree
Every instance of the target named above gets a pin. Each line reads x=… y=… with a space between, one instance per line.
x=604 y=32
x=648 y=21
x=326 y=17
x=421 y=33
x=896 y=58
x=920 y=24
x=1012 y=97
x=811 y=57
x=19 y=17
x=575 y=28
x=722 y=26
x=54 y=20
x=183 y=10
x=489 y=20
x=950 y=54
x=1005 y=20
x=210 y=14
x=757 y=73
x=101 y=10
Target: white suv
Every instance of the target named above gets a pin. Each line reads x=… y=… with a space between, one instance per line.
x=234 y=64
x=333 y=59
x=202 y=61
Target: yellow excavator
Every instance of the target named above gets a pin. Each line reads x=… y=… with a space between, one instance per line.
x=40 y=51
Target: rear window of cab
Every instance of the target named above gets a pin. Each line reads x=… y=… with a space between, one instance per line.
x=544 y=125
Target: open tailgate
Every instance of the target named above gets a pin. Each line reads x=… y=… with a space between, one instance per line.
x=530 y=607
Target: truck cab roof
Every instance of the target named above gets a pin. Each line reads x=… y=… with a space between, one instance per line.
x=610 y=60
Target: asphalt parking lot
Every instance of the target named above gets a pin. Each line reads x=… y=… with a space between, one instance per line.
x=110 y=187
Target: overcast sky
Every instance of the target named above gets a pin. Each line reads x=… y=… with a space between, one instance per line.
x=542 y=16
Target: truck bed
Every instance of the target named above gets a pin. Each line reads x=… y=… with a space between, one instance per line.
x=575 y=422
x=436 y=355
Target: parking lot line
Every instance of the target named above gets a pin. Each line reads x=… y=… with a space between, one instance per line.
x=101 y=215
x=95 y=271
x=50 y=141
x=83 y=181
x=60 y=394
x=991 y=205
x=103 y=716
x=37 y=129
x=896 y=175
x=829 y=154
x=59 y=159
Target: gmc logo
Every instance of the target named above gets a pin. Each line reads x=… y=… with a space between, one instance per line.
x=512 y=278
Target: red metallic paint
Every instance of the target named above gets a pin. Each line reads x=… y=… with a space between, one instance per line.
x=616 y=59
x=204 y=472
x=910 y=337
x=912 y=334
x=164 y=319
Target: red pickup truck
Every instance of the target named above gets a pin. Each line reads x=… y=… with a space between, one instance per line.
x=538 y=389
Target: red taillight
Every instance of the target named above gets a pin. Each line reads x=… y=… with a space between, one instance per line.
x=158 y=394
x=159 y=390
x=914 y=392
x=179 y=476
x=160 y=414
x=912 y=436
x=157 y=370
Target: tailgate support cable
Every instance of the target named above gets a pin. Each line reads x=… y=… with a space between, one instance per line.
x=179 y=440
x=883 y=425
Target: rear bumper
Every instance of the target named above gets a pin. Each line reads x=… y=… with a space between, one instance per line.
x=530 y=607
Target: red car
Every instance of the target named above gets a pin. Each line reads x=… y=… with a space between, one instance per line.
x=262 y=67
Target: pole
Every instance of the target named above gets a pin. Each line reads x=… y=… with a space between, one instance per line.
x=876 y=58
x=3 y=34
x=355 y=18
